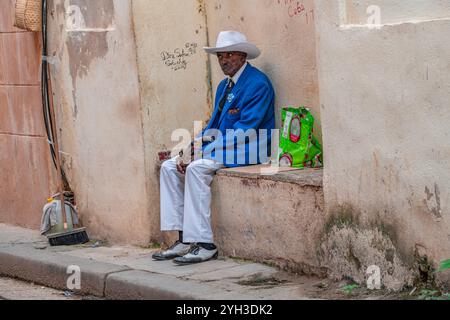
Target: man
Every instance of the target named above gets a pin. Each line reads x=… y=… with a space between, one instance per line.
x=244 y=101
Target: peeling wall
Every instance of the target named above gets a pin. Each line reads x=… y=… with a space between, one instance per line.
x=384 y=99
x=97 y=100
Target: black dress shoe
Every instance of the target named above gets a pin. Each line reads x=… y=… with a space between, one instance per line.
x=177 y=250
x=197 y=254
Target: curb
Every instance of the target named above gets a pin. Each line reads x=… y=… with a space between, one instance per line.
x=103 y=280
x=51 y=269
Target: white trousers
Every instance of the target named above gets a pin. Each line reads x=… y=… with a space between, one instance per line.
x=186 y=199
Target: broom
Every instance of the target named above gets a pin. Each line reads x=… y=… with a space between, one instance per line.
x=70 y=235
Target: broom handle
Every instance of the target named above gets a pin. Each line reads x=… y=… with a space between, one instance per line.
x=56 y=144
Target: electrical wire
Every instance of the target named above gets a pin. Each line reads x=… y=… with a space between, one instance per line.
x=45 y=91
x=44 y=82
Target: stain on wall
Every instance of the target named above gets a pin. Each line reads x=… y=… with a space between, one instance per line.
x=433 y=201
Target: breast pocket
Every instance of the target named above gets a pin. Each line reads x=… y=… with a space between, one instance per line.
x=231 y=119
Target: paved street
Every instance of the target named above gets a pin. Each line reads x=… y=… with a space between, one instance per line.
x=11 y=289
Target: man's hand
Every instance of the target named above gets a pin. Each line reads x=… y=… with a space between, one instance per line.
x=183 y=159
x=181 y=167
x=183 y=162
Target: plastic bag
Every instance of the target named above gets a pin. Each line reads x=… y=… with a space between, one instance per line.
x=298 y=146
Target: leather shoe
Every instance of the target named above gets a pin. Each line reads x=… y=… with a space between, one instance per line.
x=197 y=254
x=177 y=250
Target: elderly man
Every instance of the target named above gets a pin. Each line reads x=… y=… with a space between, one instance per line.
x=244 y=101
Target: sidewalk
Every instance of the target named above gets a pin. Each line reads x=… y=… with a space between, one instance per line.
x=124 y=272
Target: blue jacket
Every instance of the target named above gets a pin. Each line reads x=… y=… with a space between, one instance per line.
x=252 y=100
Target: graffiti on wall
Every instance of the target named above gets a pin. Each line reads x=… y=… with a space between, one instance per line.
x=177 y=58
x=296 y=8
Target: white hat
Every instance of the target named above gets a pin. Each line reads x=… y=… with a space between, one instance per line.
x=228 y=41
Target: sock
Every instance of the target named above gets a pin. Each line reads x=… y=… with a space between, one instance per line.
x=180 y=237
x=207 y=246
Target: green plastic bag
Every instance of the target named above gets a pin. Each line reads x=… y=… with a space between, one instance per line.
x=298 y=146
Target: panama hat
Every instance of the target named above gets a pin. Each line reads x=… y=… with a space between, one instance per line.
x=228 y=41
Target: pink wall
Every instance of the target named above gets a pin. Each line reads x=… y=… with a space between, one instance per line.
x=25 y=164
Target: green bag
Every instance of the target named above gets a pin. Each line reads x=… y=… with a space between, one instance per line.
x=298 y=146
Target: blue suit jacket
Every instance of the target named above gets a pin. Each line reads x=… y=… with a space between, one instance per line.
x=253 y=97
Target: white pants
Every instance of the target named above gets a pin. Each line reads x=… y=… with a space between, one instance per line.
x=186 y=199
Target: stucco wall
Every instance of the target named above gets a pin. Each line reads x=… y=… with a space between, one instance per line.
x=393 y=12
x=97 y=99
x=174 y=81
x=384 y=99
x=285 y=33
x=272 y=219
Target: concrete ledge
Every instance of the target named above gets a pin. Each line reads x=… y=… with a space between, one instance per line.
x=142 y=285
x=307 y=177
x=50 y=269
x=277 y=219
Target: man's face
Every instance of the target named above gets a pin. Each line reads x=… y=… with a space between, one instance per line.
x=231 y=62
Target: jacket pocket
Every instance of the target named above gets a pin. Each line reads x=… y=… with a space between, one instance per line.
x=231 y=119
